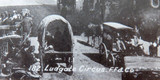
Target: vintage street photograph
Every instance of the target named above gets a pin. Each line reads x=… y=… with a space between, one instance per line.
x=79 y=39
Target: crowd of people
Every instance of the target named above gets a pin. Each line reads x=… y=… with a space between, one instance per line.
x=20 y=21
x=10 y=18
x=19 y=50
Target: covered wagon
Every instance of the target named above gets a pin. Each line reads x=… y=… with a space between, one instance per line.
x=56 y=43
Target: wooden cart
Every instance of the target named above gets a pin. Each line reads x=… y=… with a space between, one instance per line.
x=141 y=68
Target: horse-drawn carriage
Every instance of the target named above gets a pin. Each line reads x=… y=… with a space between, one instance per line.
x=118 y=41
x=119 y=50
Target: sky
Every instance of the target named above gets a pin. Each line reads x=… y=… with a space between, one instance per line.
x=35 y=2
x=26 y=2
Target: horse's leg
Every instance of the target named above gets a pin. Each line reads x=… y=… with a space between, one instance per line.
x=88 y=39
x=93 y=40
x=98 y=39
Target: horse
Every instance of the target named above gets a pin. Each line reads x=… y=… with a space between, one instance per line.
x=93 y=31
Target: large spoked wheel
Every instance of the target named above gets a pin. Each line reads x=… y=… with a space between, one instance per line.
x=106 y=57
x=110 y=61
x=103 y=53
x=102 y=48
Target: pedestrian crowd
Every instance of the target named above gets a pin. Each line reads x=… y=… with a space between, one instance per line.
x=20 y=20
x=10 y=18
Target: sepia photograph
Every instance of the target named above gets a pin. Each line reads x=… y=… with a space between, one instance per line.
x=79 y=39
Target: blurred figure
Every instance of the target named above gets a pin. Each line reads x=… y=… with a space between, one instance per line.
x=120 y=45
x=64 y=11
x=49 y=41
x=108 y=41
x=14 y=15
x=158 y=40
x=1 y=18
x=4 y=17
x=27 y=53
x=31 y=56
x=66 y=40
x=16 y=18
x=25 y=11
x=89 y=32
x=137 y=31
x=153 y=49
x=58 y=37
x=26 y=24
x=136 y=42
x=7 y=19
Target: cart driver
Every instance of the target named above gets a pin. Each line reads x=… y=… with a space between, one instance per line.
x=25 y=27
x=120 y=45
x=58 y=37
x=49 y=41
x=27 y=24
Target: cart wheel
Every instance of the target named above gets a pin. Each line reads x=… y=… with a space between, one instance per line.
x=70 y=65
x=102 y=49
x=110 y=61
x=6 y=71
x=103 y=53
